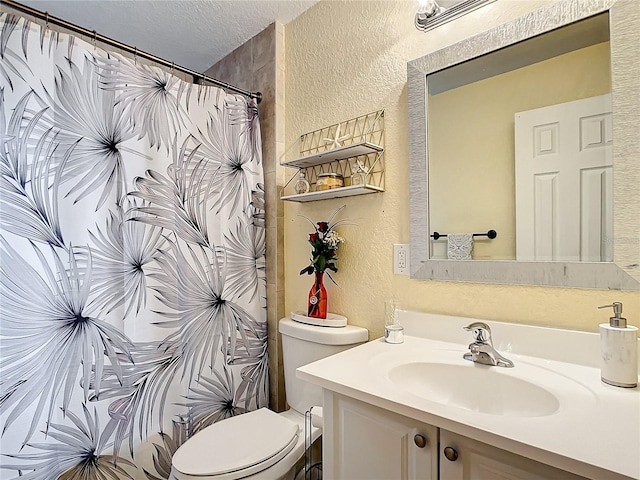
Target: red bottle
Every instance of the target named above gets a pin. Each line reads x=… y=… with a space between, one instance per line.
x=317 y=306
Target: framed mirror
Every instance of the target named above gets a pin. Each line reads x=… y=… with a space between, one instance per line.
x=463 y=173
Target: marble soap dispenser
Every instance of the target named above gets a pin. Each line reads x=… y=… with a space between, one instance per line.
x=619 y=349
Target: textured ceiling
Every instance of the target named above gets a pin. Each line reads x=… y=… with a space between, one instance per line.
x=193 y=33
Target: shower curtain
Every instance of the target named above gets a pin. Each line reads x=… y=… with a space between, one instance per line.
x=133 y=288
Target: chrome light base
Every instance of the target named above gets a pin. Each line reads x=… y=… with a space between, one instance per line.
x=429 y=18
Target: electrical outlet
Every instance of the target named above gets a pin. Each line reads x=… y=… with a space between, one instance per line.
x=401 y=259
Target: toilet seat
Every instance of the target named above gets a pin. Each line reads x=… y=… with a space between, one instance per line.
x=236 y=447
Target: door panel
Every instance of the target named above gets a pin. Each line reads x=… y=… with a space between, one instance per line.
x=564 y=197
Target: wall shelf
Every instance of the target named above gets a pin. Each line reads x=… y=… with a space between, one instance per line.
x=348 y=151
x=344 y=148
x=349 y=191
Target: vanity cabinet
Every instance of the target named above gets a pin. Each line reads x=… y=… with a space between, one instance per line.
x=361 y=441
x=462 y=458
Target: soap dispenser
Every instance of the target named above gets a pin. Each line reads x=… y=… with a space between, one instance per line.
x=619 y=348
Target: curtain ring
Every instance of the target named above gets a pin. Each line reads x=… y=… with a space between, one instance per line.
x=135 y=55
x=95 y=35
x=173 y=64
x=46 y=20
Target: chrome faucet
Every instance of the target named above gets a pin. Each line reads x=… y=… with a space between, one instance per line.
x=481 y=350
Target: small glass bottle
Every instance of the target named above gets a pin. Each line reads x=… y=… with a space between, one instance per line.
x=357 y=177
x=302 y=185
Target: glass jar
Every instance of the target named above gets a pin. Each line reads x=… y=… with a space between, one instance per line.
x=357 y=177
x=329 y=180
x=302 y=185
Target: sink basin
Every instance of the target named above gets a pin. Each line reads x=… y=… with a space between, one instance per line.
x=479 y=388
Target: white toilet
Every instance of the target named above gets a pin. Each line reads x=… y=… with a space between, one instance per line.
x=263 y=445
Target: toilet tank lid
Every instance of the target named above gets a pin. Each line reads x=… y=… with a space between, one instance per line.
x=346 y=335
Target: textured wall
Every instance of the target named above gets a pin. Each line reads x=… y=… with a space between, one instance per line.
x=346 y=58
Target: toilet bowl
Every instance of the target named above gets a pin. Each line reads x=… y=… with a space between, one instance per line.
x=263 y=445
x=259 y=445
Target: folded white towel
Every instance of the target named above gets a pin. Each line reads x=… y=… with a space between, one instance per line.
x=460 y=246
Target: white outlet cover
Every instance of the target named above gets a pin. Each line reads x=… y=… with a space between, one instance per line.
x=401 y=260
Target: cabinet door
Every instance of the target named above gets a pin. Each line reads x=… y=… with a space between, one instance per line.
x=464 y=459
x=363 y=442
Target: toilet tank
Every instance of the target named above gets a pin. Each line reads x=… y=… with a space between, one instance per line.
x=303 y=344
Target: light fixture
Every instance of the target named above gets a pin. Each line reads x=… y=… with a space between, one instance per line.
x=427 y=9
x=430 y=13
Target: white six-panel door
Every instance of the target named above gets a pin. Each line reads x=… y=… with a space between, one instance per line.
x=564 y=182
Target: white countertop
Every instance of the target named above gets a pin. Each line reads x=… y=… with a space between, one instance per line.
x=594 y=433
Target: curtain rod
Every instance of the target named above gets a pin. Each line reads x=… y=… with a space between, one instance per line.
x=133 y=50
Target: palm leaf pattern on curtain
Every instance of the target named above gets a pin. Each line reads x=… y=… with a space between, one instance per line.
x=132 y=272
x=246 y=116
x=205 y=317
x=58 y=332
x=85 y=114
x=143 y=391
x=164 y=453
x=178 y=201
x=245 y=258
x=30 y=177
x=11 y=62
x=212 y=400
x=254 y=387
x=229 y=146
x=120 y=256
x=76 y=454
x=146 y=94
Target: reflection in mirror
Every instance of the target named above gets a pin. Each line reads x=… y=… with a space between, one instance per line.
x=537 y=87
x=448 y=139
